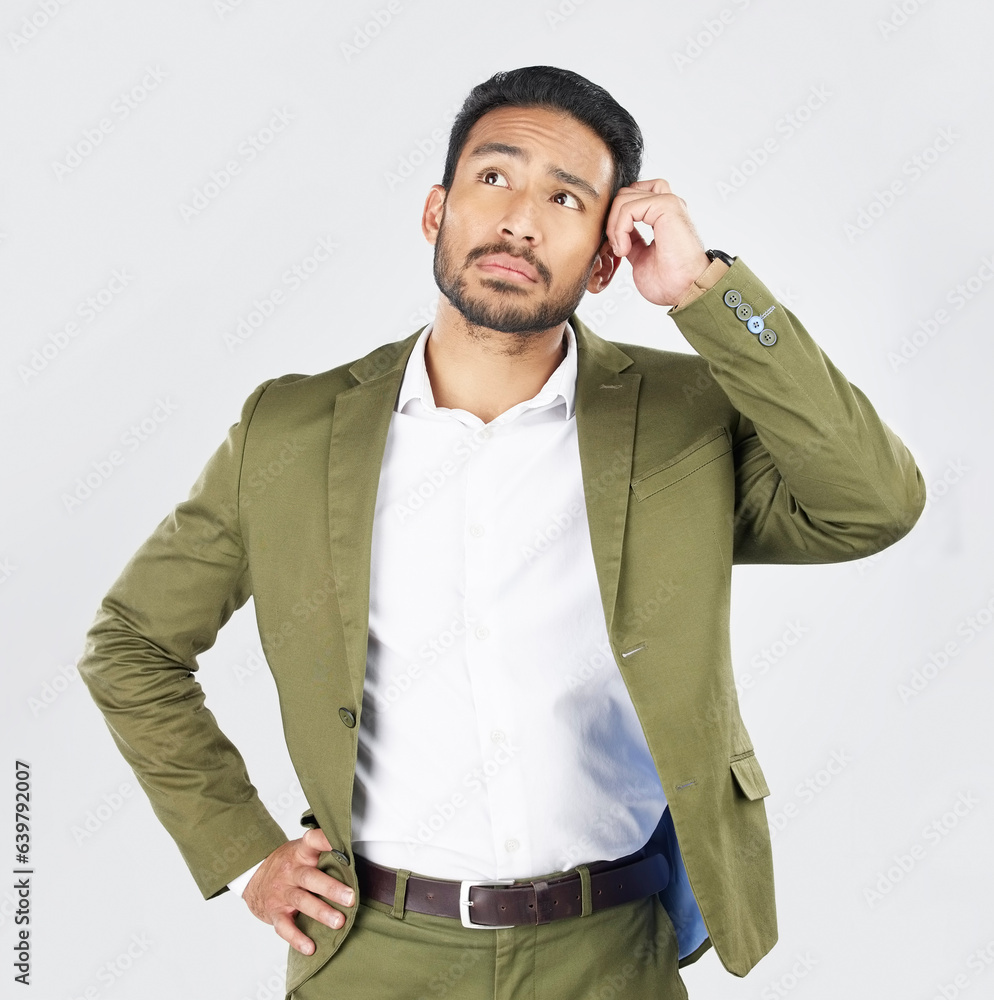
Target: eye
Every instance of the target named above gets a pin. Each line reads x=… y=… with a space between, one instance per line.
x=494 y=178
x=566 y=199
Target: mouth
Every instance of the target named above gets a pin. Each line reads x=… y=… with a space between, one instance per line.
x=502 y=265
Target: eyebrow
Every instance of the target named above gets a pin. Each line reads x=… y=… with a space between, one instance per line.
x=487 y=148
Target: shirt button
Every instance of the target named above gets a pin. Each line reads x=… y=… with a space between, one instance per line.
x=511 y=845
x=482 y=632
x=497 y=736
x=476 y=530
x=347 y=717
x=486 y=433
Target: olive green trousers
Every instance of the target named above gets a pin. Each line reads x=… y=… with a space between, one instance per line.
x=624 y=951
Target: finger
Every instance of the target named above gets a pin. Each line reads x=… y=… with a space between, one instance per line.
x=302 y=901
x=322 y=884
x=293 y=935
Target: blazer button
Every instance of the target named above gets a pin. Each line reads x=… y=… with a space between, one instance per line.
x=338 y=856
x=767 y=338
x=755 y=324
x=347 y=717
x=744 y=311
x=732 y=298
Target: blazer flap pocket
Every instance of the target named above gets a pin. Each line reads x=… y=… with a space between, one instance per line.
x=749 y=776
x=714 y=444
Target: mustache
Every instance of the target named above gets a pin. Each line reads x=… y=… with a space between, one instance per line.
x=527 y=255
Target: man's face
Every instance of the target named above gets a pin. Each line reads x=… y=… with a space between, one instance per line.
x=517 y=234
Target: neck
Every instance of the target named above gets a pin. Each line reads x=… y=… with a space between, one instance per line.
x=488 y=371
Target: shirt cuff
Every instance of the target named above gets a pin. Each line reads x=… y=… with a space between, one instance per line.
x=238 y=884
x=708 y=278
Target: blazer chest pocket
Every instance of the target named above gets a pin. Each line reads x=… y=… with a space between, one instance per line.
x=702 y=452
x=749 y=776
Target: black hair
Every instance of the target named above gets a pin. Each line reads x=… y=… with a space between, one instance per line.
x=559 y=90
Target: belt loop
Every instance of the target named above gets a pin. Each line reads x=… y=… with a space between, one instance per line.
x=586 y=900
x=400 y=894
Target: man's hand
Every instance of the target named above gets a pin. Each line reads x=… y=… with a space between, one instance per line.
x=665 y=269
x=289 y=882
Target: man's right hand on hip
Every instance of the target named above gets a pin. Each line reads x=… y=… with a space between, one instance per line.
x=289 y=882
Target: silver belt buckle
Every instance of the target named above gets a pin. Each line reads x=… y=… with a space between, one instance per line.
x=465 y=903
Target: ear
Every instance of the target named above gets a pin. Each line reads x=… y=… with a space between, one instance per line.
x=431 y=217
x=605 y=266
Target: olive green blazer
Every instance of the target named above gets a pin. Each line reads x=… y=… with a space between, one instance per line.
x=746 y=452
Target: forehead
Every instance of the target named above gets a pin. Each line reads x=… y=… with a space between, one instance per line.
x=549 y=137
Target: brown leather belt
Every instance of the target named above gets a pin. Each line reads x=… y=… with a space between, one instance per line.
x=496 y=904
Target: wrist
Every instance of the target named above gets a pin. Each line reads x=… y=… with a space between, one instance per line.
x=708 y=278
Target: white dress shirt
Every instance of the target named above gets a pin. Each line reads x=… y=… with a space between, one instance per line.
x=498 y=739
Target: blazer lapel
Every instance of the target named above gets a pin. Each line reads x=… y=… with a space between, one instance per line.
x=358 y=439
x=606 y=402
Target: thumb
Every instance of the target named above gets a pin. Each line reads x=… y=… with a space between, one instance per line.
x=314 y=842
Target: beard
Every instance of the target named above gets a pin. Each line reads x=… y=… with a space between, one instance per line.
x=504 y=312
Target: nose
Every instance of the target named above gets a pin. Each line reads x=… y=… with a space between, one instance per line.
x=519 y=221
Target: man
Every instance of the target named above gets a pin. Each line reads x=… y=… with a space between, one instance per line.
x=492 y=580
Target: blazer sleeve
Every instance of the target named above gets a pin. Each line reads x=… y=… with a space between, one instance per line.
x=819 y=476
x=140 y=664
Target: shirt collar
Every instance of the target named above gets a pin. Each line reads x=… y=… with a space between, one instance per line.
x=561 y=384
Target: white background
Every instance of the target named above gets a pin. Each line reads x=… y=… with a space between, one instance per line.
x=107 y=877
